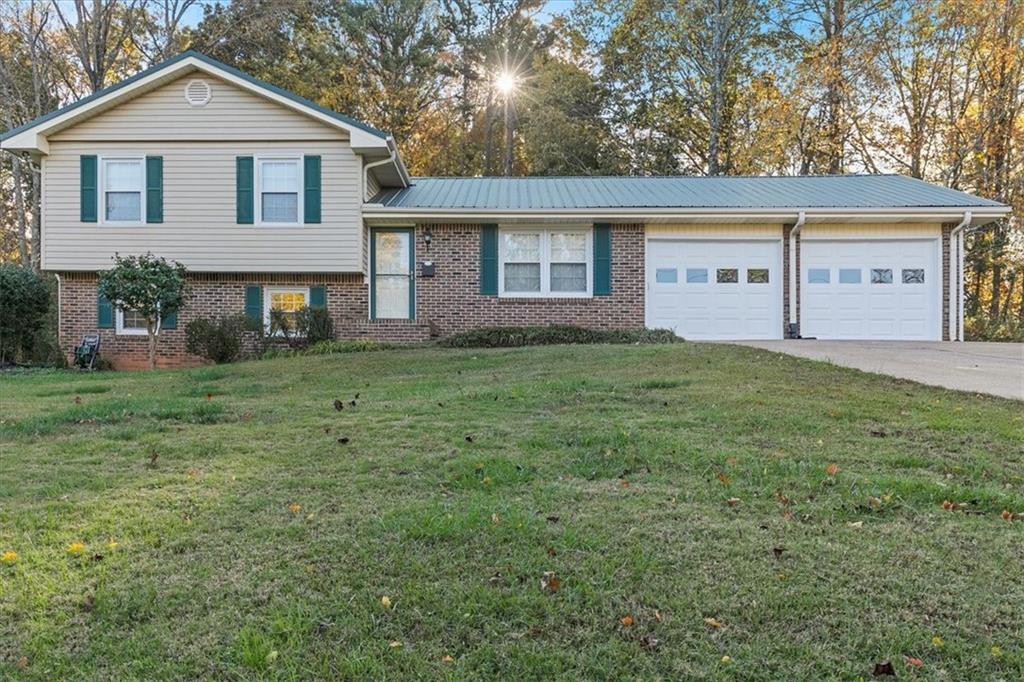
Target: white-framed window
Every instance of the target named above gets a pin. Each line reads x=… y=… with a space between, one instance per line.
x=552 y=262
x=131 y=323
x=123 y=180
x=288 y=301
x=279 y=190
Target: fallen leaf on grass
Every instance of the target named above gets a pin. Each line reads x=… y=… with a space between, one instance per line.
x=1008 y=515
x=76 y=548
x=855 y=524
x=777 y=551
x=913 y=662
x=626 y=620
x=657 y=615
x=952 y=506
x=884 y=668
x=552 y=552
x=209 y=396
x=394 y=644
x=832 y=469
x=997 y=652
x=549 y=582
x=385 y=601
x=78 y=400
x=723 y=479
x=714 y=623
x=9 y=557
x=294 y=507
x=733 y=501
x=624 y=483
x=338 y=405
x=937 y=642
x=447 y=659
x=22 y=663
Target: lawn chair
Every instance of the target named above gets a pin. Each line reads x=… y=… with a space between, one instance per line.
x=86 y=354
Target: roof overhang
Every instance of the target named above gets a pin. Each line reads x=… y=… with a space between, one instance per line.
x=378 y=214
x=32 y=137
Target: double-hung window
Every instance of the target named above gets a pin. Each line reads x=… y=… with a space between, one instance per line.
x=123 y=195
x=285 y=302
x=280 y=183
x=131 y=322
x=555 y=262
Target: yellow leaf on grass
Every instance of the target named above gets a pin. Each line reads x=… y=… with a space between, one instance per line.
x=385 y=601
x=394 y=644
x=832 y=469
x=294 y=507
x=626 y=620
x=9 y=557
x=713 y=623
x=937 y=642
x=447 y=659
x=76 y=548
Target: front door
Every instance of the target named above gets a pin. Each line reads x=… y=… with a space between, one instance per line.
x=392 y=263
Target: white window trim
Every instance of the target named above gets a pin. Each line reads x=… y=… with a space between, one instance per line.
x=267 y=291
x=101 y=182
x=545 y=260
x=258 y=189
x=121 y=330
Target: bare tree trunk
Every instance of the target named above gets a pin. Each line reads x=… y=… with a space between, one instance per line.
x=19 y=209
x=509 y=130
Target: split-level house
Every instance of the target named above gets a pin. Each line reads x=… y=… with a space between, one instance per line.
x=273 y=202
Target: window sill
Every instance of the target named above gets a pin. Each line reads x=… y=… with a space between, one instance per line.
x=132 y=332
x=556 y=300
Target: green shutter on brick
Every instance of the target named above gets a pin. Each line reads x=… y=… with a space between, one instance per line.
x=104 y=313
x=489 y=260
x=243 y=190
x=317 y=297
x=154 y=189
x=87 y=194
x=602 y=259
x=254 y=303
x=169 y=321
x=311 y=189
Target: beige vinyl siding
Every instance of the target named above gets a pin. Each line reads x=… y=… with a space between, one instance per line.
x=372 y=186
x=199 y=228
x=231 y=114
x=715 y=231
x=870 y=230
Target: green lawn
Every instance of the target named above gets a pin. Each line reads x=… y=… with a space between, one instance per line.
x=229 y=534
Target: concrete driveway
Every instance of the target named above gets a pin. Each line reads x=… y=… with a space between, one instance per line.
x=994 y=368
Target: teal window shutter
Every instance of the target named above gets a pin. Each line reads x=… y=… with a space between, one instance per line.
x=87 y=194
x=243 y=190
x=311 y=189
x=104 y=313
x=169 y=321
x=602 y=259
x=154 y=189
x=254 y=303
x=489 y=260
x=317 y=297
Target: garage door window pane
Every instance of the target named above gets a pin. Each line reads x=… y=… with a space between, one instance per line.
x=849 y=276
x=696 y=276
x=913 y=276
x=757 y=276
x=818 y=276
x=881 y=276
x=666 y=276
x=727 y=276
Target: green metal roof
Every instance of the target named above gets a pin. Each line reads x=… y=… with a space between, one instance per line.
x=348 y=120
x=719 y=192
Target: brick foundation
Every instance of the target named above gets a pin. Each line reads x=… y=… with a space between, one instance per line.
x=447 y=303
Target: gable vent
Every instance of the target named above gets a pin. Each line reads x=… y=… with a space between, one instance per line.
x=197 y=93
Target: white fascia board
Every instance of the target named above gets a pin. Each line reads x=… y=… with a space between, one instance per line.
x=377 y=214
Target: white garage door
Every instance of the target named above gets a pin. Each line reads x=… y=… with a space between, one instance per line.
x=861 y=289
x=728 y=289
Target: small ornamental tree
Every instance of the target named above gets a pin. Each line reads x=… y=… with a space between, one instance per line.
x=150 y=286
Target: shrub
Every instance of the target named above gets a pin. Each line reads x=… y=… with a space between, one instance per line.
x=311 y=326
x=980 y=329
x=510 y=337
x=315 y=326
x=24 y=301
x=220 y=339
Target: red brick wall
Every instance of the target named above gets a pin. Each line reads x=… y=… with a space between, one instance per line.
x=451 y=302
x=447 y=303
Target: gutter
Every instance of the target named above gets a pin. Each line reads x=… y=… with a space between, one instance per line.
x=392 y=158
x=956 y=278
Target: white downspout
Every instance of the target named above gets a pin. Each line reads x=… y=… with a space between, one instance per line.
x=57 y=275
x=374 y=164
x=793 y=274
x=956 y=278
